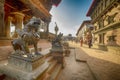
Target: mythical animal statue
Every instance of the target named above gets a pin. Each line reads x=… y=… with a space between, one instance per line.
x=57 y=41
x=27 y=36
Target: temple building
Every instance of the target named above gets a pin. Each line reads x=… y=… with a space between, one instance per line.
x=15 y=13
x=105 y=15
x=84 y=30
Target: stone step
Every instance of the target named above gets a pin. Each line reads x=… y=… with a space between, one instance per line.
x=56 y=72
x=52 y=66
x=80 y=55
x=53 y=74
x=49 y=59
x=46 y=74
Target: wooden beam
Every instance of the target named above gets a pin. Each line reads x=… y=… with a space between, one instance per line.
x=25 y=10
x=40 y=7
x=6 y=4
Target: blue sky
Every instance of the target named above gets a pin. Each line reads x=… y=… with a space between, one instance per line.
x=69 y=15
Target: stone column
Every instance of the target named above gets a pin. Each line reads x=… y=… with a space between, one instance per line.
x=9 y=19
x=47 y=29
x=2 y=28
x=47 y=22
x=18 y=21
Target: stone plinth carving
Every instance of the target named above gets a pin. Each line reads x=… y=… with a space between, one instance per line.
x=25 y=63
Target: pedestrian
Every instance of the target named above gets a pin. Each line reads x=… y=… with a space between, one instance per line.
x=81 y=42
x=89 y=40
x=90 y=43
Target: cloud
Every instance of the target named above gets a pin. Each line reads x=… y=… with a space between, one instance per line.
x=66 y=25
x=68 y=16
x=64 y=28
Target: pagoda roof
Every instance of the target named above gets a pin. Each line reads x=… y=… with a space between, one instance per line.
x=29 y=8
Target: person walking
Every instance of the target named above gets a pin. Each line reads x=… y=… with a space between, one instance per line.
x=90 y=43
x=81 y=42
x=89 y=39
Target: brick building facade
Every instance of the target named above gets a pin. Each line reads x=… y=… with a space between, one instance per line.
x=105 y=15
x=84 y=30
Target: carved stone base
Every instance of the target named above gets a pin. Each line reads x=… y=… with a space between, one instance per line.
x=56 y=49
x=13 y=73
x=24 y=68
x=58 y=55
x=25 y=63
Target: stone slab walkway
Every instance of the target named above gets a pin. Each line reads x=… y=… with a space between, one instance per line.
x=80 y=55
x=75 y=70
x=104 y=65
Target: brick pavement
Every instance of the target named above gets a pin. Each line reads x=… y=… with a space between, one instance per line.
x=104 y=65
x=75 y=70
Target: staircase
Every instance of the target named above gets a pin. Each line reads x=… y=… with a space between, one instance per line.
x=53 y=70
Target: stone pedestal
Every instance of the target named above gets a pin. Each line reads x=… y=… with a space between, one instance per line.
x=25 y=63
x=23 y=67
x=57 y=54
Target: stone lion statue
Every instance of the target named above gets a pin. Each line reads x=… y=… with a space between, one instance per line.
x=29 y=35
